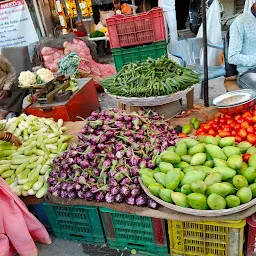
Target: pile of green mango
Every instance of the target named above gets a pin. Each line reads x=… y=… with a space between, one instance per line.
x=204 y=174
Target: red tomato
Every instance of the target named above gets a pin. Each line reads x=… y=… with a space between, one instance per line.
x=254 y=107
x=201 y=134
x=212 y=132
x=222 y=121
x=224 y=134
x=254 y=126
x=237 y=117
x=232 y=125
x=229 y=121
x=246 y=157
x=233 y=133
x=227 y=116
x=182 y=135
x=207 y=127
x=216 y=119
x=227 y=129
x=215 y=126
x=237 y=127
x=251 y=138
x=238 y=139
x=248 y=119
x=250 y=129
x=244 y=124
x=254 y=119
x=242 y=133
x=254 y=112
x=239 y=120
x=246 y=113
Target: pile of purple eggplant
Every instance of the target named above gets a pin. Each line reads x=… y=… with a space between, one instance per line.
x=112 y=147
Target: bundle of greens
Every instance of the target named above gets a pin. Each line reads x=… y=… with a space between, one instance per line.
x=69 y=65
x=151 y=78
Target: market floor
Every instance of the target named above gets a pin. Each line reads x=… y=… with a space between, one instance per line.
x=67 y=248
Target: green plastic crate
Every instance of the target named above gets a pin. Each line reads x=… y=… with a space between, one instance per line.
x=123 y=56
x=76 y=223
x=128 y=231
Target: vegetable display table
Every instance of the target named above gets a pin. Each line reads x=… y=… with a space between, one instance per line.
x=81 y=103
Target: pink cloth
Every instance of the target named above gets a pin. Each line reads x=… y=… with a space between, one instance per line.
x=18 y=227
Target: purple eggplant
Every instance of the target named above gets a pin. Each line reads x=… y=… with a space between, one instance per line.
x=100 y=196
x=135 y=192
x=72 y=195
x=130 y=200
x=119 y=198
x=141 y=200
x=125 y=191
x=64 y=194
x=89 y=196
x=114 y=191
x=152 y=203
x=109 y=198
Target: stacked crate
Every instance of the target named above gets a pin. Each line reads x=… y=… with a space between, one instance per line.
x=134 y=38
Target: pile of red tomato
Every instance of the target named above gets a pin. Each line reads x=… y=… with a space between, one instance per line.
x=241 y=126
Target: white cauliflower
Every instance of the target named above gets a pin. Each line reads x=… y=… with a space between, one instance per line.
x=27 y=78
x=45 y=75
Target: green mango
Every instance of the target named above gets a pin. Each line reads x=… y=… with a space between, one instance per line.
x=244 y=194
x=158 y=160
x=186 y=189
x=181 y=149
x=165 y=195
x=243 y=168
x=171 y=149
x=219 y=162
x=160 y=178
x=235 y=161
x=172 y=179
x=197 y=201
x=181 y=165
x=181 y=173
x=157 y=169
x=170 y=157
x=188 y=169
x=165 y=167
x=212 y=178
x=216 y=202
x=239 y=181
x=250 y=174
x=147 y=180
x=186 y=158
x=199 y=186
x=208 y=156
x=232 y=201
x=199 y=148
x=215 y=152
x=205 y=169
x=192 y=176
x=226 y=172
x=190 y=142
x=244 y=146
x=232 y=187
x=187 y=128
x=251 y=150
x=180 y=199
x=201 y=139
x=154 y=188
x=147 y=171
x=220 y=189
x=209 y=163
x=230 y=150
x=212 y=140
x=252 y=161
x=198 y=159
x=253 y=189
x=227 y=141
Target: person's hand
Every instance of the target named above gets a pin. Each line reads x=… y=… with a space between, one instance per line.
x=4 y=94
x=15 y=140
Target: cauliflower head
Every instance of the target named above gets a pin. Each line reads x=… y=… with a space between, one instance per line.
x=27 y=78
x=45 y=75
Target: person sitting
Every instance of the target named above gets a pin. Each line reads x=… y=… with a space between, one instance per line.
x=242 y=51
x=11 y=96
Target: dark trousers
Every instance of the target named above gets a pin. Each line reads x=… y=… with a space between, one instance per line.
x=247 y=80
x=14 y=102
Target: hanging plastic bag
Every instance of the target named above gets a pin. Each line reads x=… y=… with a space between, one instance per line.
x=105 y=15
x=214 y=36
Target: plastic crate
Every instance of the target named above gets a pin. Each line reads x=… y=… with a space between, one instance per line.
x=124 y=56
x=39 y=211
x=127 y=231
x=76 y=223
x=143 y=28
x=251 y=239
x=206 y=238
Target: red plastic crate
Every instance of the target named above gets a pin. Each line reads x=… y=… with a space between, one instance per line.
x=146 y=27
x=251 y=241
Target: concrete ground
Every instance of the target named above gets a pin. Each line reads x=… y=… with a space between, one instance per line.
x=67 y=248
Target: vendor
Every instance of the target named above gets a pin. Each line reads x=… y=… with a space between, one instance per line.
x=7 y=136
x=242 y=51
x=169 y=19
x=11 y=97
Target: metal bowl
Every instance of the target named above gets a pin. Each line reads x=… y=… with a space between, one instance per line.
x=235 y=102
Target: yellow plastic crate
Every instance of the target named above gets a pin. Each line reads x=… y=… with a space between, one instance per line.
x=206 y=238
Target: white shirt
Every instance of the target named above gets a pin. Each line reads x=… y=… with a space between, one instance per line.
x=167 y=5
